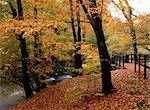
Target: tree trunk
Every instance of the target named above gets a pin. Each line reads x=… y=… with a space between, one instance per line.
x=25 y=56
x=72 y=22
x=127 y=11
x=126 y=58
x=103 y=54
x=37 y=45
x=77 y=38
x=78 y=57
x=37 y=53
x=37 y=50
x=38 y=83
x=20 y=11
x=78 y=61
x=96 y=23
x=26 y=77
x=133 y=35
x=13 y=10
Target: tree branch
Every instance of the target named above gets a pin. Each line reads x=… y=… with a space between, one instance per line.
x=145 y=47
x=12 y=81
x=121 y=9
x=85 y=10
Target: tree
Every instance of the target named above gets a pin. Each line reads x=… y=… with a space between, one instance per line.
x=76 y=35
x=28 y=31
x=25 y=71
x=25 y=55
x=96 y=22
x=142 y=30
x=127 y=11
x=37 y=52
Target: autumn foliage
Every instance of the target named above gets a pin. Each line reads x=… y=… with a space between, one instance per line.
x=40 y=39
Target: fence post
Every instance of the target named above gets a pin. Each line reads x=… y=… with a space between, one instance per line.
x=139 y=62
x=119 y=60
x=123 y=62
x=144 y=66
x=135 y=59
x=126 y=58
x=116 y=60
x=131 y=58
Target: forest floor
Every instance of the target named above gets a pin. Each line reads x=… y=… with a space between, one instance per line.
x=84 y=93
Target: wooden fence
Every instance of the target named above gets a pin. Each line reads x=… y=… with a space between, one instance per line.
x=139 y=60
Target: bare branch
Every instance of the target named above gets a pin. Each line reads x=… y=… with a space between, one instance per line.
x=12 y=81
x=121 y=9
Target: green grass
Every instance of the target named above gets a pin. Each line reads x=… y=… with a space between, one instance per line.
x=21 y=99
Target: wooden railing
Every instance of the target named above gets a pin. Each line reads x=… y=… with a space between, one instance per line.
x=138 y=60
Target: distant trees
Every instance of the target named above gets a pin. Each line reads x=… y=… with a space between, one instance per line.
x=127 y=11
x=142 y=29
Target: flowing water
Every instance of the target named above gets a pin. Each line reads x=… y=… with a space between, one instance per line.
x=11 y=100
